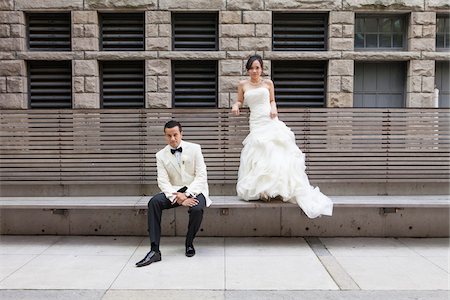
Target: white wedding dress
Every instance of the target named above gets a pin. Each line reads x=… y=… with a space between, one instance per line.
x=271 y=163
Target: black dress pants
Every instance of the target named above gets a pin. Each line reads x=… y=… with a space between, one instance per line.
x=158 y=203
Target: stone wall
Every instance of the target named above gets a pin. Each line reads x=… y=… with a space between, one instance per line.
x=245 y=27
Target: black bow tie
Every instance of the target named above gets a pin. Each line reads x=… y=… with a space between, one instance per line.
x=175 y=150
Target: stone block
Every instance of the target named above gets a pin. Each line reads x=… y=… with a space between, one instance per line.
x=290 y=55
x=416 y=31
x=303 y=4
x=347 y=84
x=157 y=67
x=12 y=44
x=228 y=83
x=190 y=55
x=239 y=54
x=85 y=68
x=2 y=84
x=12 y=101
x=419 y=100
x=230 y=17
x=424 y=44
x=423 y=18
x=421 y=67
x=192 y=4
x=246 y=43
x=230 y=67
x=414 y=84
x=159 y=100
x=128 y=4
x=164 y=84
x=437 y=5
x=224 y=100
x=237 y=30
x=335 y=31
x=6 y=4
x=85 y=44
x=334 y=84
x=428 y=84
x=245 y=4
x=84 y=17
x=341 y=44
x=151 y=30
x=342 y=17
x=151 y=83
x=86 y=100
x=380 y=5
x=48 y=55
x=91 y=31
x=78 y=31
x=257 y=17
x=339 y=99
x=14 y=84
x=428 y=31
x=12 y=68
x=348 y=31
x=78 y=84
x=158 y=43
x=91 y=84
x=165 y=30
x=5 y=31
x=229 y=44
x=381 y=55
x=48 y=4
x=157 y=17
x=263 y=30
x=12 y=17
x=340 y=67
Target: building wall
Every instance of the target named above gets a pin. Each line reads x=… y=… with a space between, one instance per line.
x=245 y=27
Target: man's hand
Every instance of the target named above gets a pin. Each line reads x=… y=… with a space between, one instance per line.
x=180 y=197
x=190 y=202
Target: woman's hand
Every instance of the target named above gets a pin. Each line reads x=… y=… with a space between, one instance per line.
x=235 y=110
x=273 y=113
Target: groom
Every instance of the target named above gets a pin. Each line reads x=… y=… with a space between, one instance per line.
x=182 y=180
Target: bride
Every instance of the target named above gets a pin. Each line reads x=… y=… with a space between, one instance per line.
x=271 y=164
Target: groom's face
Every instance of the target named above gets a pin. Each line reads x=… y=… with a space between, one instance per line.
x=173 y=136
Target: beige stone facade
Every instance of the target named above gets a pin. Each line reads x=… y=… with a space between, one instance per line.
x=244 y=28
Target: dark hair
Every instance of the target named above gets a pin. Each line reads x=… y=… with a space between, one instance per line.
x=251 y=59
x=172 y=124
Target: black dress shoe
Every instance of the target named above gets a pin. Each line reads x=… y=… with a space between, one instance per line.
x=190 y=251
x=151 y=257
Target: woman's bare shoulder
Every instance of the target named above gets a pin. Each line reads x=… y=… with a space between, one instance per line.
x=243 y=82
x=268 y=81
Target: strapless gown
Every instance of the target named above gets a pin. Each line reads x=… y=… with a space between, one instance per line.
x=272 y=164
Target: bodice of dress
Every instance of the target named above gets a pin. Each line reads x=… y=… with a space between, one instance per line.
x=258 y=100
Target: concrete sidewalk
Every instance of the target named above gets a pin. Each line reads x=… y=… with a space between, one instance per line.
x=93 y=267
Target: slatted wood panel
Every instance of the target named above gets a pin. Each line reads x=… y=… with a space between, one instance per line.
x=119 y=146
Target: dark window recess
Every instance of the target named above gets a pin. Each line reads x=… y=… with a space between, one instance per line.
x=122 y=84
x=50 y=84
x=299 y=31
x=380 y=32
x=379 y=84
x=443 y=83
x=49 y=32
x=122 y=32
x=443 y=32
x=194 y=83
x=299 y=83
x=194 y=31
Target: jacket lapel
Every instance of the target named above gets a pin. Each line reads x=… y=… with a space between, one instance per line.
x=173 y=160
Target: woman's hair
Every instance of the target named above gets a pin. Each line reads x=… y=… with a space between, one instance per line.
x=252 y=59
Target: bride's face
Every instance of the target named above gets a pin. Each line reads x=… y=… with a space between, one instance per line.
x=255 y=70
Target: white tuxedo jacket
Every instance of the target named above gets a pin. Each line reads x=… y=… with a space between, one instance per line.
x=190 y=172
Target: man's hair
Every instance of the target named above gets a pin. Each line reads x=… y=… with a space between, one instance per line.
x=172 y=124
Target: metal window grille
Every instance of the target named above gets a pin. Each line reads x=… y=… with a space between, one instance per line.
x=194 y=83
x=49 y=31
x=50 y=84
x=194 y=31
x=299 y=31
x=122 y=31
x=122 y=84
x=380 y=32
x=299 y=83
x=443 y=83
x=443 y=32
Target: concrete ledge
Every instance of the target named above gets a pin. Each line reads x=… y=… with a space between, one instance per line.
x=140 y=202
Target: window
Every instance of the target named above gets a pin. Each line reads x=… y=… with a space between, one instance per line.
x=122 y=31
x=122 y=84
x=299 y=31
x=442 y=32
x=443 y=82
x=49 y=31
x=50 y=84
x=194 y=31
x=299 y=83
x=380 y=32
x=194 y=83
x=379 y=84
